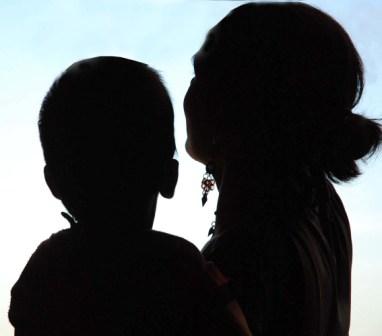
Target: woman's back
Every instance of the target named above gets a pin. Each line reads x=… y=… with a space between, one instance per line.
x=291 y=275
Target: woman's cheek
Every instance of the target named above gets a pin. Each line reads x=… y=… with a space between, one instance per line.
x=189 y=100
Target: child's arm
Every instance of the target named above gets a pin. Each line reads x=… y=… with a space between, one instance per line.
x=232 y=306
x=218 y=313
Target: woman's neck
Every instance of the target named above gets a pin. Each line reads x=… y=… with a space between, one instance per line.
x=248 y=193
x=237 y=196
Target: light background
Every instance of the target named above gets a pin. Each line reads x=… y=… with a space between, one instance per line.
x=39 y=39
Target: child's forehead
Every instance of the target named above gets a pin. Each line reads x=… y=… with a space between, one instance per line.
x=105 y=62
x=116 y=80
x=111 y=73
x=79 y=67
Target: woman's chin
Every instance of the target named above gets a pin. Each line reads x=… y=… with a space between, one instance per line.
x=191 y=152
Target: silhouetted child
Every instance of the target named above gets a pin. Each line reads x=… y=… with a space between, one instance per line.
x=106 y=128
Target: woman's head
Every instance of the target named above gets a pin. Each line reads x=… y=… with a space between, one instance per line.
x=278 y=81
x=106 y=128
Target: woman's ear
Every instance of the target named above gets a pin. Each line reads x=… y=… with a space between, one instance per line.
x=52 y=182
x=169 y=178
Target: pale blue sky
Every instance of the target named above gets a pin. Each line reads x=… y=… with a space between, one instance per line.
x=39 y=39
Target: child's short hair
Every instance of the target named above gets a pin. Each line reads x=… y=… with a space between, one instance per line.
x=107 y=123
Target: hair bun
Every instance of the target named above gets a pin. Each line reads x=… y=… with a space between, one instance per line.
x=361 y=136
x=355 y=139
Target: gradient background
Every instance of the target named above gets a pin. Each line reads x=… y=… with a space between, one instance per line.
x=39 y=39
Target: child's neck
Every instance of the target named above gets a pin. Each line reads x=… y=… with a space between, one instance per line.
x=128 y=218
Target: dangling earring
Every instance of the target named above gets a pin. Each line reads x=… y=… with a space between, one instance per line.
x=208 y=182
x=211 y=231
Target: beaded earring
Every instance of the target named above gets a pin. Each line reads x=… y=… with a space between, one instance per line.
x=208 y=182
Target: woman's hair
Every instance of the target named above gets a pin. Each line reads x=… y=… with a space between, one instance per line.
x=105 y=124
x=290 y=77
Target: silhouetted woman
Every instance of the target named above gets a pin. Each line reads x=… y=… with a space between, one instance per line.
x=270 y=113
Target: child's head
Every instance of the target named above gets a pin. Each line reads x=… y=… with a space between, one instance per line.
x=106 y=129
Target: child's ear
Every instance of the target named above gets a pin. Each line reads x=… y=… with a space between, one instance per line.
x=169 y=178
x=52 y=182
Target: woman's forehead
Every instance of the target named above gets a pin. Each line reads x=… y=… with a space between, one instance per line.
x=205 y=49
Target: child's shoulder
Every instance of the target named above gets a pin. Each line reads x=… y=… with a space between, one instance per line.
x=37 y=272
x=178 y=247
x=56 y=243
x=51 y=249
x=167 y=238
